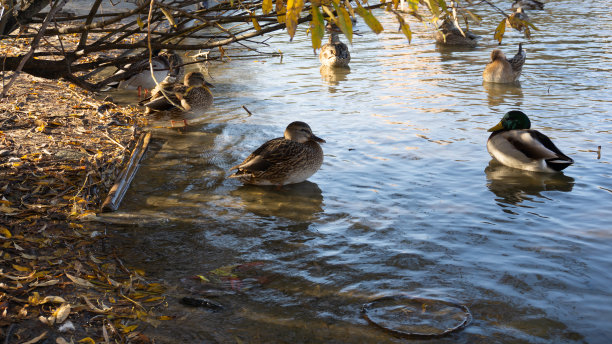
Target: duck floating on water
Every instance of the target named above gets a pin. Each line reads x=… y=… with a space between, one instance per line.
x=449 y=34
x=528 y=4
x=193 y=94
x=334 y=53
x=285 y=160
x=502 y=70
x=514 y=144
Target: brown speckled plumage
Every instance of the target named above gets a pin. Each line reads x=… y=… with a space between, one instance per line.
x=285 y=160
x=334 y=53
x=193 y=94
x=449 y=34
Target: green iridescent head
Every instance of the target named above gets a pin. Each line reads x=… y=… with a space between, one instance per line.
x=513 y=120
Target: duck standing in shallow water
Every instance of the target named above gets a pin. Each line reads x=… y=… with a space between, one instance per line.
x=502 y=70
x=285 y=160
x=514 y=144
x=528 y=4
x=334 y=53
x=193 y=94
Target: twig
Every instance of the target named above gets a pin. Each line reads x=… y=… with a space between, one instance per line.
x=247 y=110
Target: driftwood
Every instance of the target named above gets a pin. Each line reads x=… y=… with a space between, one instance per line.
x=116 y=193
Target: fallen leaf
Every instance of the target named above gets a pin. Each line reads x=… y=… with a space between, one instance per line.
x=79 y=281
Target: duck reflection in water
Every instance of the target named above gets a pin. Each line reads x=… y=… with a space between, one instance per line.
x=514 y=186
x=498 y=94
x=332 y=75
x=301 y=201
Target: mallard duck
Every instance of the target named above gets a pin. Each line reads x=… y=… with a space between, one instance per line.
x=528 y=4
x=139 y=73
x=193 y=94
x=285 y=160
x=449 y=34
x=334 y=53
x=502 y=70
x=515 y=145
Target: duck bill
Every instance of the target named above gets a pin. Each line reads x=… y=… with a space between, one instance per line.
x=499 y=126
x=317 y=139
x=208 y=84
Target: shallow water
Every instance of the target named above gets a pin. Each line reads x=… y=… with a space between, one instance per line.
x=407 y=201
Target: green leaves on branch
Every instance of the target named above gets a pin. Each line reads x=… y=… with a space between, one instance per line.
x=369 y=19
x=317 y=27
x=344 y=22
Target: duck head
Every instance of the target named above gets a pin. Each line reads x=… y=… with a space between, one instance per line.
x=513 y=120
x=195 y=79
x=301 y=132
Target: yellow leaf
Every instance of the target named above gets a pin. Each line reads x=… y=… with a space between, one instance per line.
x=433 y=7
x=21 y=268
x=369 y=18
x=140 y=23
x=165 y=317
x=294 y=8
x=169 y=16
x=203 y=279
x=266 y=6
x=280 y=11
x=256 y=24
x=499 y=31
x=344 y=22
x=87 y=340
x=154 y=298
x=5 y=232
x=317 y=27
x=404 y=27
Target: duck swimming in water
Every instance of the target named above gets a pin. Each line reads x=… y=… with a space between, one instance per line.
x=334 y=53
x=503 y=70
x=285 y=160
x=514 y=144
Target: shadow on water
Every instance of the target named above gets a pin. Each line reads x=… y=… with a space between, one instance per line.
x=499 y=93
x=333 y=76
x=514 y=186
x=300 y=202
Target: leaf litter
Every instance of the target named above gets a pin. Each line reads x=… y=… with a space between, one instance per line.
x=60 y=153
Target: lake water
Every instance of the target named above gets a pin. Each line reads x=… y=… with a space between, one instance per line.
x=407 y=201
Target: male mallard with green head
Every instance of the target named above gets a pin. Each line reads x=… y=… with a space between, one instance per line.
x=285 y=160
x=334 y=53
x=193 y=94
x=514 y=144
x=502 y=70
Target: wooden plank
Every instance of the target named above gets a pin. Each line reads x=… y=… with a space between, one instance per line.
x=116 y=193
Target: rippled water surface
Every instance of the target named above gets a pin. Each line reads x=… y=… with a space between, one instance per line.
x=407 y=201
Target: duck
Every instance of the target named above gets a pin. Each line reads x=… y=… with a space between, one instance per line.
x=514 y=144
x=165 y=63
x=192 y=94
x=290 y=159
x=334 y=53
x=528 y=4
x=449 y=34
x=502 y=70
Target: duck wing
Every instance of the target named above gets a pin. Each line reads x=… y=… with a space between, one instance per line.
x=273 y=152
x=164 y=103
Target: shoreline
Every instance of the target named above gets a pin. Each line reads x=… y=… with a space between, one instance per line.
x=61 y=152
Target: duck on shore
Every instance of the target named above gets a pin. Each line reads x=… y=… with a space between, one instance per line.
x=514 y=144
x=285 y=160
x=503 y=70
x=192 y=94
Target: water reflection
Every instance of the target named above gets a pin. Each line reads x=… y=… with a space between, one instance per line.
x=300 y=202
x=514 y=186
x=333 y=76
x=498 y=93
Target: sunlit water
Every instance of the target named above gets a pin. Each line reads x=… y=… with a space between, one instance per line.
x=407 y=201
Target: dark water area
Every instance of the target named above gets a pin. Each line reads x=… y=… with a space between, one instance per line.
x=408 y=201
